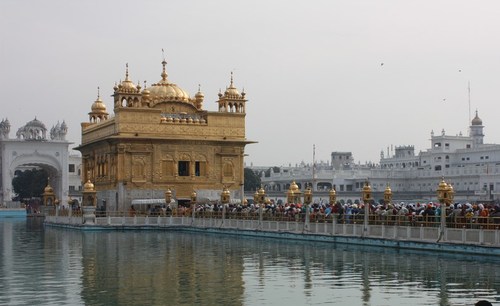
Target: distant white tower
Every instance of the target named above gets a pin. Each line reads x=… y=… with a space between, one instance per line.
x=476 y=131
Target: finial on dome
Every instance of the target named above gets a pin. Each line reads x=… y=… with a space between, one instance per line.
x=98 y=93
x=164 y=74
x=199 y=87
x=231 y=85
x=126 y=72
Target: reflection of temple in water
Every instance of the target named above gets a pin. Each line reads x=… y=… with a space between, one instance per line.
x=185 y=269
x=171 y=272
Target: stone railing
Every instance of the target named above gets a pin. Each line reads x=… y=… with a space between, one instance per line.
x=388 y=235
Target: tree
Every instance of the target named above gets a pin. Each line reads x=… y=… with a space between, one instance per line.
x=252 y=180
x=30 y=183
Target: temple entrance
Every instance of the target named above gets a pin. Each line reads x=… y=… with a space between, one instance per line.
x=32 y=149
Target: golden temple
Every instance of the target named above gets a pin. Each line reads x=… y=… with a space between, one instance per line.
x=160 y=138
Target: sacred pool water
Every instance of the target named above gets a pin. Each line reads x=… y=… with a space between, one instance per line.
x=52 y=266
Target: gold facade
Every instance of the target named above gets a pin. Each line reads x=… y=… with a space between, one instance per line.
x=161 y=138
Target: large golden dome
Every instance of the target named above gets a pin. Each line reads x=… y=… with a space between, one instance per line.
x=164 y=91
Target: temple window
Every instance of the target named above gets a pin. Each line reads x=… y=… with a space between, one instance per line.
x=200 y=168
x=183 y=168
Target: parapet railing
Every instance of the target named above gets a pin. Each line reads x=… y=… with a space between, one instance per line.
x=474 y=231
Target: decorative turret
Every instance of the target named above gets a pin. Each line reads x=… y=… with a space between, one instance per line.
x=198 y=99
x=4 y=129
x=98 y=110
x=146 y=96
x=59 y=131
x=33 y=130
x=126 y=93
x=232 y=101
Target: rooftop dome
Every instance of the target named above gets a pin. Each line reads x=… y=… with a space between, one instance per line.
x=477 y=120
x=166 y=91
x=98 y=106
x=127 y=85
x=231 y=91
x=35 y=123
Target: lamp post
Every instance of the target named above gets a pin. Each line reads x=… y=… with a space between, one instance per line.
x=333 y=201
x=224 y=199
x=367 y=198
x=443 y=198
x=193 y=202
x=89 y=203
x=387 y=195
x=168 y=196
x=333 y=196
x=261 y=198
x=307 y=201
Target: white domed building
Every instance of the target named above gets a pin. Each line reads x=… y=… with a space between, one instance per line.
x=34 y=147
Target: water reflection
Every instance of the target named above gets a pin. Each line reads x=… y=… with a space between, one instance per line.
x=55 y=266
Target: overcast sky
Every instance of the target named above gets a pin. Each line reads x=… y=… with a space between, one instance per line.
x=350 y=75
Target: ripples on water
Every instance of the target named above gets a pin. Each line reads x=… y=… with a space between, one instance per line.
x=49 y=266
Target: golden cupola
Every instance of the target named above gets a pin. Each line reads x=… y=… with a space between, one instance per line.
x=98 y=110
x=164 y=91
x=232 y=101
x=127 y=86
x=145 y=94
x=198 y=98
x=231 y=91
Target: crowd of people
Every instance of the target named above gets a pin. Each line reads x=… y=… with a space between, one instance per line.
x=429 y=213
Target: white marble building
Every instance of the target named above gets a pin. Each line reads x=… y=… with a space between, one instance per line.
x=469 y=164
x=34 y=146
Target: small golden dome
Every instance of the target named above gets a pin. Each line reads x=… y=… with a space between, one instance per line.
x=388 y=190
x=231 y=91
x=88 y=186
x=98 y=106
x=261 y=191
x=294 y=187
x=442 y=185
x=48 y=189
x=226 y=191
x=199 y=94
x=127 y=85
x=166 y=91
